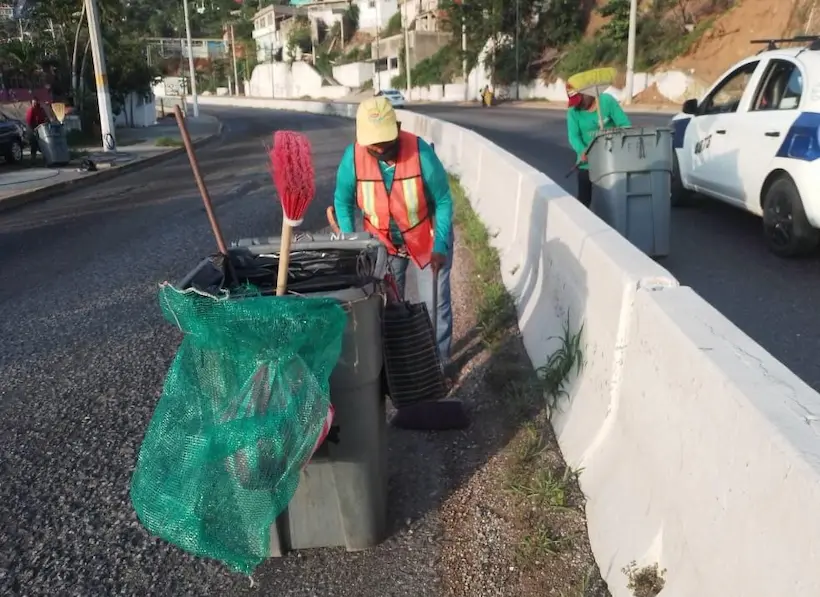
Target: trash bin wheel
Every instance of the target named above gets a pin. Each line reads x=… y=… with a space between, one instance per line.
x=786 y=229
x=14 y=153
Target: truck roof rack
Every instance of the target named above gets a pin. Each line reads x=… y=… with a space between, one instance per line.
x=813 y=42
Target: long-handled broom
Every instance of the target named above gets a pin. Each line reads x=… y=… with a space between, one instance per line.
x=203 y=192
x=291 y=166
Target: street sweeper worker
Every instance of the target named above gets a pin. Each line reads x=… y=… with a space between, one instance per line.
x=582 y=126
x=396 y=180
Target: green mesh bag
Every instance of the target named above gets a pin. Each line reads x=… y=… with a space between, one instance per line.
x=243 y=406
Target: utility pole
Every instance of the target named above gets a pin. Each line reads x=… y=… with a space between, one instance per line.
x=109 y=142
x=517 y=68
x=191 y=65
x=272 y=70
x=407 y=67
x=630 y=52
x=378 y=43
x=233 y=57
x=464 y=72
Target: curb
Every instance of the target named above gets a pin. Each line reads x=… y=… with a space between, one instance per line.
x=47 y=192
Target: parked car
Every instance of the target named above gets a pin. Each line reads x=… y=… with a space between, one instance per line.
x=753 y=141
x=394 y=96
x=13 y=138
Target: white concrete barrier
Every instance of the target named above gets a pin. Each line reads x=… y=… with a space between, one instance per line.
x=700 y=451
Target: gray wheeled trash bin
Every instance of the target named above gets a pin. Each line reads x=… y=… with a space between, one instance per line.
x=631 y=173
x=341 y=500
x=53 y=144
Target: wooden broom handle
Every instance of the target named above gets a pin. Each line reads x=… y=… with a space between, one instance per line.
x=284 y=259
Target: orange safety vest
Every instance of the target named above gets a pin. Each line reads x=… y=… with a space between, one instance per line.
x=406 y=202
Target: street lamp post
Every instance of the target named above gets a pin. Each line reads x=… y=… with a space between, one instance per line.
x=191 y=65
x=109 y=142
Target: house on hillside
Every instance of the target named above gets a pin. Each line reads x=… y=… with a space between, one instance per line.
x=373 y=14
x=385 y=54
x=270 y=29
x=171 y=47
x=425 y=37
x=272 y=24
x=425 y=15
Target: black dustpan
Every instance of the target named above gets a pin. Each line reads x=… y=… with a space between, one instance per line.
x=415 y=378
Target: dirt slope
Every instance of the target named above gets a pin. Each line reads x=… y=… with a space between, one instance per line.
x=729 y=38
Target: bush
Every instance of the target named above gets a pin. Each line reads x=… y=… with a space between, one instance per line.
x=393 y=26
x=439 y=69
x=591 y=53
x=659 y=39
x=357 y=54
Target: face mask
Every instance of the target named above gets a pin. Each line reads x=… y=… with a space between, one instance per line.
x=388 y=153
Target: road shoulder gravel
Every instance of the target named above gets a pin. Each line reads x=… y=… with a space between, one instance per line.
x=514 y=523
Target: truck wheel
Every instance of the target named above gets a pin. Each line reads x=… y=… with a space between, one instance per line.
x=786 y=229
x=14 y=154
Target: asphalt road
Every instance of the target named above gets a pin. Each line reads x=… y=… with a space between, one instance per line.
x=83 y=355
x=716 y=250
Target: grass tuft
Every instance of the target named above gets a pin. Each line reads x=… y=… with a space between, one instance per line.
x=542 y=542
x=168 y=142
x=547 y=489
x=560 y=365
x=648 y=581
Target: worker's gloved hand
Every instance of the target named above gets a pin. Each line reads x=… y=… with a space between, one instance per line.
x=437 y=261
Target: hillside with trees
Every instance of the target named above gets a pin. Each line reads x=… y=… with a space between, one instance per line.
x=559 y=37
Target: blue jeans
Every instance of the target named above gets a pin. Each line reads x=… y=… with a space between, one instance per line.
x=424 y=278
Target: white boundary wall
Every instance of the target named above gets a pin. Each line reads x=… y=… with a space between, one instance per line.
x=700 y=451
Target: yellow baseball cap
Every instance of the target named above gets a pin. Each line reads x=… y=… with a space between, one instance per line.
x=376 y=122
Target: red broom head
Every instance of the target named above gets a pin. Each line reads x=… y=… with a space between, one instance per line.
x=291 y=166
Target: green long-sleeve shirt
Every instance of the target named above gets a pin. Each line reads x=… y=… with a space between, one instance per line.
x=582 y=125
x=436 y=187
